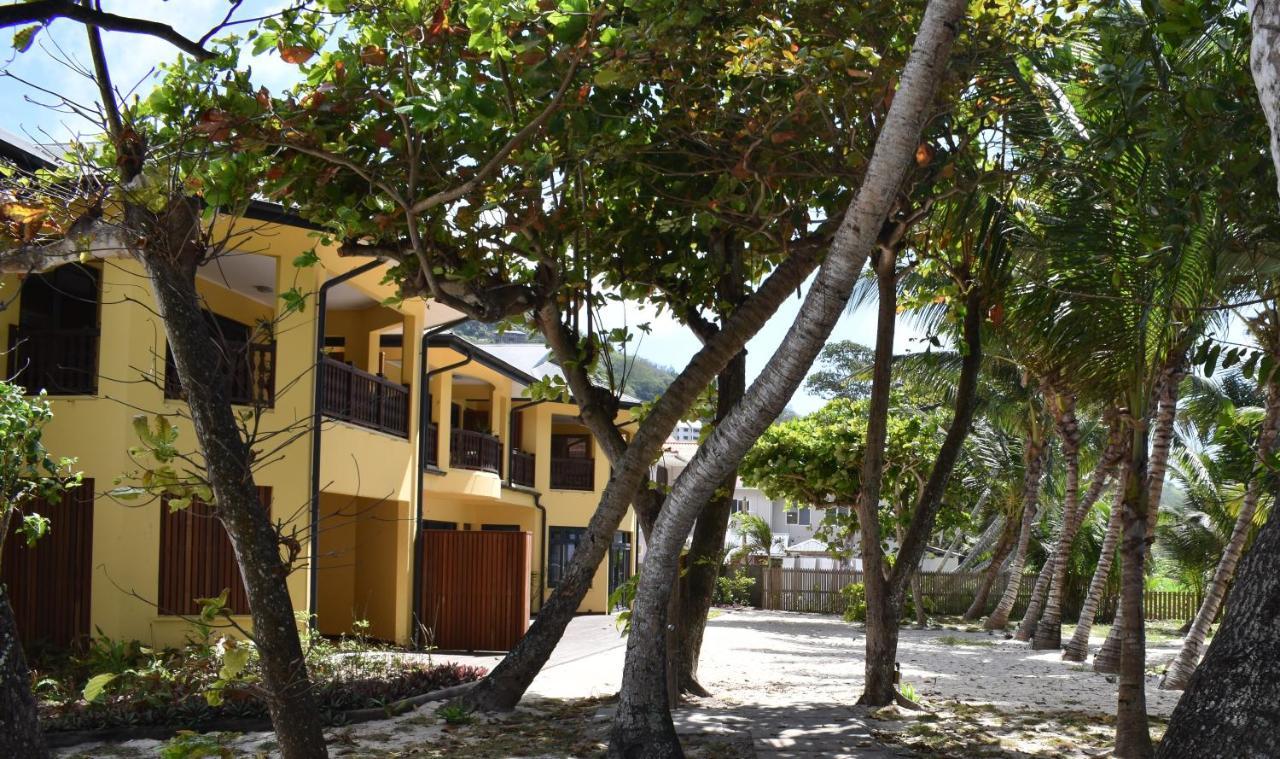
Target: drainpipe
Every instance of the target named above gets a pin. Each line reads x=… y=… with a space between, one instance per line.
x=424 y=420
x=537 y=503
x=316 y=419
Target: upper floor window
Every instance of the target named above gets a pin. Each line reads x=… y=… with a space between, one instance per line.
x=741 y=505
x=802 y=516
x=571 y=446
x=54 y=345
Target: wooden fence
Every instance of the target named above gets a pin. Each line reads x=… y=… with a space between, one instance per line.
x=197 y=560
x=945 y=593
x=474 y=588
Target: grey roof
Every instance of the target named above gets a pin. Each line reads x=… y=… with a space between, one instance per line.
x=531 y=359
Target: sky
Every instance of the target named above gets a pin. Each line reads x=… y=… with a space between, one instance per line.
x=61 y=48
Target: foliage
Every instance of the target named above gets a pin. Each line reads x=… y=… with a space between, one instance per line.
x=734 y=590
x=854 y=596
x=190 y=745
x=621 y=600
x=755 y=534
x=455 y=714
x=124 y=684
x=844 y=373
x=28 y=474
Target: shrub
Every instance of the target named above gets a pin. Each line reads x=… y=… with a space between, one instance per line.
x=855 y=602
x=735 y=590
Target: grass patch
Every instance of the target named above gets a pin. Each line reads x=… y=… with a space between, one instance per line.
x=956 y=640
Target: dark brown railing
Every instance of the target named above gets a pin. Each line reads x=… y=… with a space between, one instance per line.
x=58 y=361
x=358 y=397
x=250 y=369
x=475 y=450
x=573 y=474
x=522 y=468
x=433 y=445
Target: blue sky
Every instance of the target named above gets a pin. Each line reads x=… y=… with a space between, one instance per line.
x=52 y=62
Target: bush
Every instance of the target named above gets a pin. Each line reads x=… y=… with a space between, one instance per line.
x=734 y=591
x=170 y=687
x=855 y=602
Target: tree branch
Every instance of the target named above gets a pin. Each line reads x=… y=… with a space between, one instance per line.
x=45 y=11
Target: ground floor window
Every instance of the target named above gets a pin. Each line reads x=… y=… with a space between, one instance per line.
x=562 y=544
x=432 y=524
x=500 y=527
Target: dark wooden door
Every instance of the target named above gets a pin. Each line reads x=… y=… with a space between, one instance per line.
x=474 y=588
x=49 y=582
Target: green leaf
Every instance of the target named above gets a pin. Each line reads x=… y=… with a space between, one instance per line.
x=24 y=38
x=96 y=685
x=233 y=662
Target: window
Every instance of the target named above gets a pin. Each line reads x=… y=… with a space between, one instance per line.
x=563 y=543
x=800 y=516
x=432 y=524
x=571 y=446
x=740 y=505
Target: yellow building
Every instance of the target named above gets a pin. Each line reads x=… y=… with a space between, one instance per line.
x=365 y=494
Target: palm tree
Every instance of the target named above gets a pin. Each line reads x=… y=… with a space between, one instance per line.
x=755 y=534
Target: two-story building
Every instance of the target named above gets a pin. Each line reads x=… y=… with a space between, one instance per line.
x=407 y=509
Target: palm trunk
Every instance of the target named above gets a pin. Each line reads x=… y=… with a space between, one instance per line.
x=643 y=724
x=1108 y=658
x=1229 y=706
x=1034 y=455
x=20 y=734
x=706 y=549
x=1077 y=649
x=1133 y=739
x=228 y=464
x=1048 y=631
x=1179 y=672
x=1002 y=550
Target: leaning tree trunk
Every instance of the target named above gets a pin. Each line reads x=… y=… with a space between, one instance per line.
x=1229 y=707
x=1002 y=550
x=1108 y=658
x=1048 y=629
x=228 y=463
x=20 y=734
x=1077 y=649
x=1035 y=460
x=1068 y=429
x=1179 y=672
x=643 y=727
x=706 y=548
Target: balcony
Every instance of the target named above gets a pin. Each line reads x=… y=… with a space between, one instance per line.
x=250 y=369
x=433 y=445
x=364 y=399
x=522 y=468
x=469 y=449
x=573 y=473
x=58 y=361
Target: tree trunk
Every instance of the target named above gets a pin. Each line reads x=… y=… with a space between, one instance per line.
x=1048 y=629
x=1108 y=658
x=1264 y=63
x=1179 y=672
x=1002 y=550
x=1133 y=739
x=1077 y=649
x=879 y=687
x=228 y=464
x=1229 y=706
x=1035 y=452
x=643 y=725
x=706 y=549
x=20 y=734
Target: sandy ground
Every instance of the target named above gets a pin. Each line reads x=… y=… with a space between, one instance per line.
x=783 y=685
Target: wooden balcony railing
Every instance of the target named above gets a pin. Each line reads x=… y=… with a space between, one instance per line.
x=433 y=445
x=573 y=473
x=475 y=450
x=250 y=369
x=58 y=361
x=522 y=468
x=358 y=397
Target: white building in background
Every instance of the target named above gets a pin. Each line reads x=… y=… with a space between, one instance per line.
x=789 y=526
